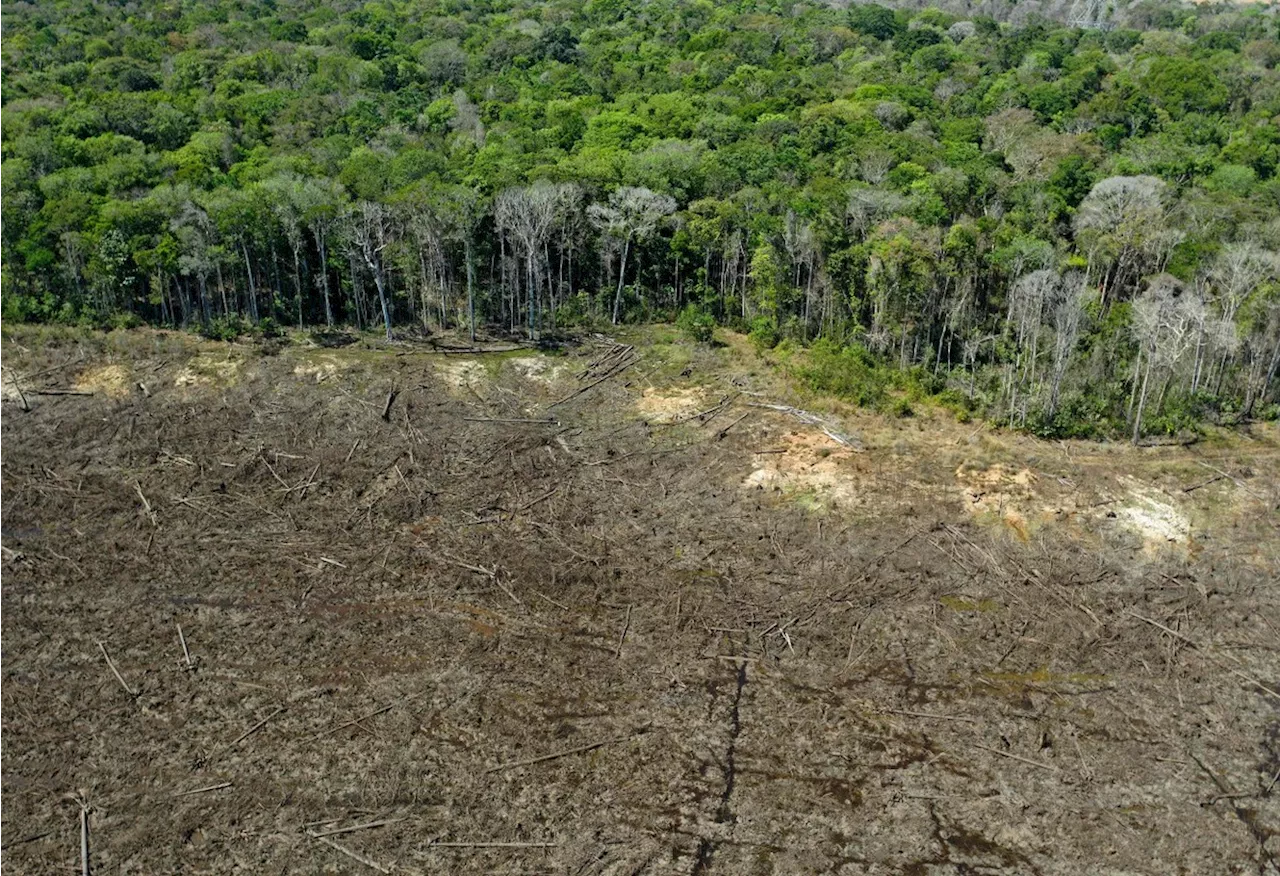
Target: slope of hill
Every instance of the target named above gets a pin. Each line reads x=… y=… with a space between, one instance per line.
x=641 y=606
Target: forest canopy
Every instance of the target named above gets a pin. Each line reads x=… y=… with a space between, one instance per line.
x=1075 y=231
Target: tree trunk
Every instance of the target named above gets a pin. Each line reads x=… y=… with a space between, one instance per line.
x=531 y=277
x=297 y=284
x=471 y=299
x=380 y=281
x=1142 y=403
x=622 y=276
x=324 y=276
x=253 y=291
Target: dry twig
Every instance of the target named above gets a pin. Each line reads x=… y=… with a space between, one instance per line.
x=207 y=788
x=355 y=856
x=84 y=840
x=254 y=729
x=558 y=754
x=1035 y=763
x=372 y=714
x=120 y=678
x=492 y=845
x=185 y=653
x=626 y=625
x=368 y=825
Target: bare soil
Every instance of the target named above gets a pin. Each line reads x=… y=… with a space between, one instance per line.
x=528 y=624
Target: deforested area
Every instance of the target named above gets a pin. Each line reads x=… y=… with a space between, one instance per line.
x=631 y=604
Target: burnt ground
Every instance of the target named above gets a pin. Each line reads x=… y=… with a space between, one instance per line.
x=626 y=640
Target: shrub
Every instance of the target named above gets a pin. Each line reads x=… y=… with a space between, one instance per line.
x=764 y=333
x=697 y=324
x=268 y=328
x=223 y=328
x=848 y=372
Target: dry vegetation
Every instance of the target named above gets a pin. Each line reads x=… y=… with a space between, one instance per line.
x=599 y=612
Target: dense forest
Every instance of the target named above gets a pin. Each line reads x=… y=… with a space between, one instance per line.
x=1073 y=231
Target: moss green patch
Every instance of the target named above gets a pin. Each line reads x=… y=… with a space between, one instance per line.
x=1018 y=681
x=959 y=603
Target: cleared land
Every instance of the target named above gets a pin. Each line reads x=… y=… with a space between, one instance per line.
x=607 y=611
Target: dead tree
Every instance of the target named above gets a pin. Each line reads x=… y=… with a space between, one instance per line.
x=373 y=234
x=527 y=214
x=632 y=215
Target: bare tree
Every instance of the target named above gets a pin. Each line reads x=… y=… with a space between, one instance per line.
x=1165 y=317
x=1123 y=222
x=869 y=207
x=528 y=214
x=1068 y=313
x=195 y=234
x=1029 y=298
x=373 y=233
x=321 y=201
x=632 y=215
x=874 y=167
x=285 y=194
x=801 y=244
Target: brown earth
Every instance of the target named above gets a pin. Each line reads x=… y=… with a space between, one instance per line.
x=515 y=629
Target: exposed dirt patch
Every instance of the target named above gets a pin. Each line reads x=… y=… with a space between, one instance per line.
x=317 y=370
x=9 y=386
x=538 y=369
x=1152 y=515
x=462 y=375
x=110 y=380
x=810 y=465
x=670 y=404
x=1003 y=494
x=209 y=370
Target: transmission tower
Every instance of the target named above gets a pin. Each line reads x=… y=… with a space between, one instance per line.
x=1090 y=15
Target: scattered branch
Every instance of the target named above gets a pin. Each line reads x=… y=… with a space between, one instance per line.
x=204 y=790
x=254 y=729
x=626 y=625
x=368 y=825
x=386 y=410
x=1035 y=763
x=185 y=653
x=355 y=856
x=491 y=845
x=372 y=714
x=84 y=840
x=558 y=754
x=120 y=678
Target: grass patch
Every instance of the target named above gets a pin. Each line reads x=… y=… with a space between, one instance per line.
x=960 y=603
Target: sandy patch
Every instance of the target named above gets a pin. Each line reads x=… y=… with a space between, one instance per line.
x=1003 y=493
x=462 y=374
x=206 y=370
x=669 y=405
x=109 y=380
x=318 y=371
x=1153 y=516
x=809 y=463
x=539 y=369
x=9 y=386
x=1019 y=500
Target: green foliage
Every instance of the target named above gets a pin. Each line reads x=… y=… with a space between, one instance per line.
x=874 y=20
x=224 y=328
x=764 y=333
x=848 y=372
x=267 y=328
x=695 y=322
x=901 y=407
x=880 y=179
